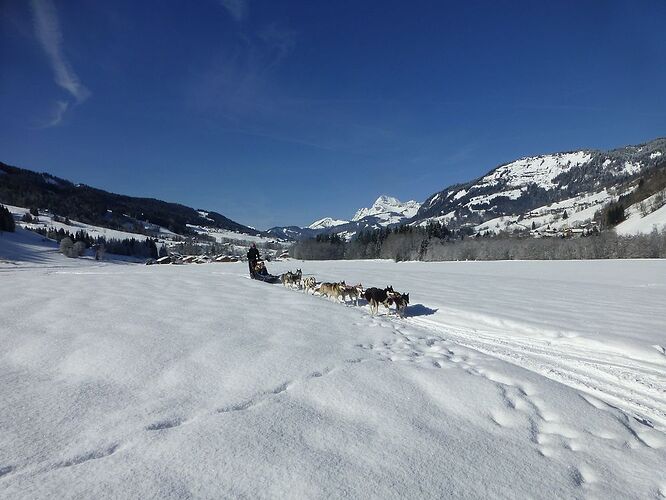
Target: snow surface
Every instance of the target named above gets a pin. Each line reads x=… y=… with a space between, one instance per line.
x=25 y=246
x=506 y=379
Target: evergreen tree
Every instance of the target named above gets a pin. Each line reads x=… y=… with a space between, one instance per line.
x=614 y=214
x=6 y=220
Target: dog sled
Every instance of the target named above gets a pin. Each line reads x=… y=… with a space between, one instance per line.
x=261 y=273
x=267 y=278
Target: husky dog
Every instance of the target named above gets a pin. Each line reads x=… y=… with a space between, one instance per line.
x=376 y=296
x=400 y=300
x=290 y=278
x=297 y=278
x=286 y=278
x=308 y=283
x=332 y=289
x=353 y=292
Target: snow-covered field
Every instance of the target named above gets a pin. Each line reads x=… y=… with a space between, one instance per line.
x=507 y=379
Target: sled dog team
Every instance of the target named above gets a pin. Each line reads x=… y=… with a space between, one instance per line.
x=341 y=291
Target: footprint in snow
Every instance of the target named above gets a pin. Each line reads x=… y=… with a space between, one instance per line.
x=319 y=373
x=6 y=470
x=280 y=388
x=92 y=455
x=236 y=407
x=583 y=475
x=165 y=424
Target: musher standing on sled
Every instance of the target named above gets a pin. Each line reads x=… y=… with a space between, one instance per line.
x=252 y=258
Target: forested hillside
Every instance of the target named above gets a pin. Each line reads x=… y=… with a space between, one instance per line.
x=26 y=188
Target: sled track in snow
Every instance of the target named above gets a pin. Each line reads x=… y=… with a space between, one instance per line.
x=632 y=385
x=635 y=386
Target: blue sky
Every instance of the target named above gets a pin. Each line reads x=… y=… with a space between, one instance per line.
x=281 y=112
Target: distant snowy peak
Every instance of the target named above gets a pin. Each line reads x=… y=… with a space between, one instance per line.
x=387 y=207
x=384 y=212
x=326 y=222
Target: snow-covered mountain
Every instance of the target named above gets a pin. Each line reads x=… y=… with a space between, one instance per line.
x=388 y=209
x=540 y=189
x=326 y=222
x=385 y=211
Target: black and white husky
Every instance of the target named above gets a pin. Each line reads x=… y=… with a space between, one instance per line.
x=290 y=278
x=376 y=296
x=309 y=283
x=400 y=300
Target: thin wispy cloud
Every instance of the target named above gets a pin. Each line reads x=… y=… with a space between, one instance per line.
x=59 y=109
x=47 y=31
x=237 y=8
x=240 y=78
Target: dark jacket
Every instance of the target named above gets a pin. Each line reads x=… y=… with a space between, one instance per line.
x=253 y=254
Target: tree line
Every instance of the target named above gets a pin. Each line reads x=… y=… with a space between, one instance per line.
x=131 y=247
x=435 y=242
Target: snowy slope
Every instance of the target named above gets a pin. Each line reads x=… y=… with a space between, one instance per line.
x=645 y=217
x=575 y=212
x=517 y=188
x=24 y=249
x=46 y=221
x=224 y=235
x=252 y=390
x=26 y=246
x=540 y=170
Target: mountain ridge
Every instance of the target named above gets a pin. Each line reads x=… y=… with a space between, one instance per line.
x=530 y=182
x=533 y=191
x=27 y=188
x=581 y=180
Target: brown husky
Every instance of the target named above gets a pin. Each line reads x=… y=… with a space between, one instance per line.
x=332 y=289
x=353 y=292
